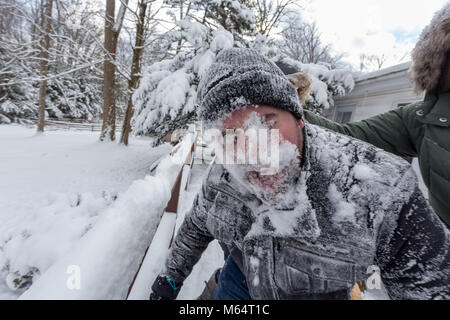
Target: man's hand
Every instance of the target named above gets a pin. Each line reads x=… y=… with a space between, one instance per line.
x=165 y=288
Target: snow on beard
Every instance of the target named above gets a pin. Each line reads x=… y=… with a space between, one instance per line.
x=261 y=160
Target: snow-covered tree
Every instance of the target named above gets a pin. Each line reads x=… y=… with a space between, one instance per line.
x=371 y=62
x=269 y=14
x=74 y=98
x=17 y=101
x=165 y=98
x=326 y=83
x=73 y=88
x=232 y=15
x=301 y=41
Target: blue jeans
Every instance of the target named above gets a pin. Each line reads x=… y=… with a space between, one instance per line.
x=231 y=284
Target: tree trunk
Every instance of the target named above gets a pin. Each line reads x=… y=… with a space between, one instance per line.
x=109 y=123
x=135 y=70
x=44 y=55
x=112 y=31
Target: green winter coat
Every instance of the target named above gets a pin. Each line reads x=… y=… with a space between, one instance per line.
x=419 y=130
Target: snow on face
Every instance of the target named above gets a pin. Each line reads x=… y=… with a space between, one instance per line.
x=291 y=214
x=276 y=144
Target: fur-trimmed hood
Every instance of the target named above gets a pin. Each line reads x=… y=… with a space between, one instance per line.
x=430 y=54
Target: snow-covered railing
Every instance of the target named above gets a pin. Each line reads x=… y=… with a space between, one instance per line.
x=156 y=252
x=105 y=260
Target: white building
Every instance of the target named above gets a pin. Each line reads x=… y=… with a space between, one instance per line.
x=375 y=93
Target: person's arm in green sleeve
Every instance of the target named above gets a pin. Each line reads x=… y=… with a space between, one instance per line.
x=388 y=131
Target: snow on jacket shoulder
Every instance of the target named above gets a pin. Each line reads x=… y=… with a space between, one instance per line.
x=357 y=206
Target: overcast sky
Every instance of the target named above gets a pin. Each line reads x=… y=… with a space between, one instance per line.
x=389 y=27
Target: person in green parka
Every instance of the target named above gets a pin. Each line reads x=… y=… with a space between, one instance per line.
x=421 y=129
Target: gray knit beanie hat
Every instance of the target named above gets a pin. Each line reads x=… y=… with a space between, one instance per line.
x=240 y=77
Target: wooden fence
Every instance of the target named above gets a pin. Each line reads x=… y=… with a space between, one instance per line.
x=168 y=218
x=77 y=125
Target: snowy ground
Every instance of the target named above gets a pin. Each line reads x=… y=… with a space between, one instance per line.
x=53 y=190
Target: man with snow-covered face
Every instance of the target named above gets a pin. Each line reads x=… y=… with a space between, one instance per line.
x=335 y=207
x=270 y=186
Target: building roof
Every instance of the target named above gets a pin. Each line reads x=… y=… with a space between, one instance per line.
x=384 y=72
